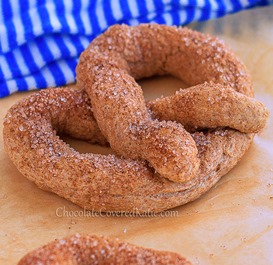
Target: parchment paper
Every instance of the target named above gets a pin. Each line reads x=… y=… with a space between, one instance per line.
x=231 y=224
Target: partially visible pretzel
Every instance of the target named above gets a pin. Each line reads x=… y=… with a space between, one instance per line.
x=106 y=183
x=107 y=69
x=86 y=249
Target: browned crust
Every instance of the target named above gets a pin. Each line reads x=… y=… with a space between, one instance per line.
x=105 y=183
x=86 y=249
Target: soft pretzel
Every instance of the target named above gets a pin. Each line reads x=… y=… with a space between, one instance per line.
x=89 y=249
x=112 y=183
x=107 y=69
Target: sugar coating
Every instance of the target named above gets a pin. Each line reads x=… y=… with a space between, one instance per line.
x=98 y=182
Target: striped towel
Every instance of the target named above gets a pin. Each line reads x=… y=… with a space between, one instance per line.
x=41 y=40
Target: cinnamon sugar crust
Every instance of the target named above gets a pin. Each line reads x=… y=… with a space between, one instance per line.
x=179 y=163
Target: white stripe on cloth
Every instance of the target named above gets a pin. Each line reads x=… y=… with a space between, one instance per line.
x=53 y=17
x=69 y=16
x=101 y=17
x=85 y=18
x=117 y=13
x=12 y=86
x=133 y=8
x=48 y=75
x=5 y=68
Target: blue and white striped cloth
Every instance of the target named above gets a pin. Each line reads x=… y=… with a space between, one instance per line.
x=41 y=40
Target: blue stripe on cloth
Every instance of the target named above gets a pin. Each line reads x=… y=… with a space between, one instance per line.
x=41 y=40
x=21 y=84
x=72 y=65
x=7 y=39
x=110 y=19
x=4 y=91
x=125 y=9
x=77 y=6
x=142 y=7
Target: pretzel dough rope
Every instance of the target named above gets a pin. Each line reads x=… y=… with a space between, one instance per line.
x=107 y=69
x=85 y=249
x=99 y=182
x=211 y=106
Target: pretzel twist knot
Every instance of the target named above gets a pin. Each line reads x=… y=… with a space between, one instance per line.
x=189 y=139
x=107 y=70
